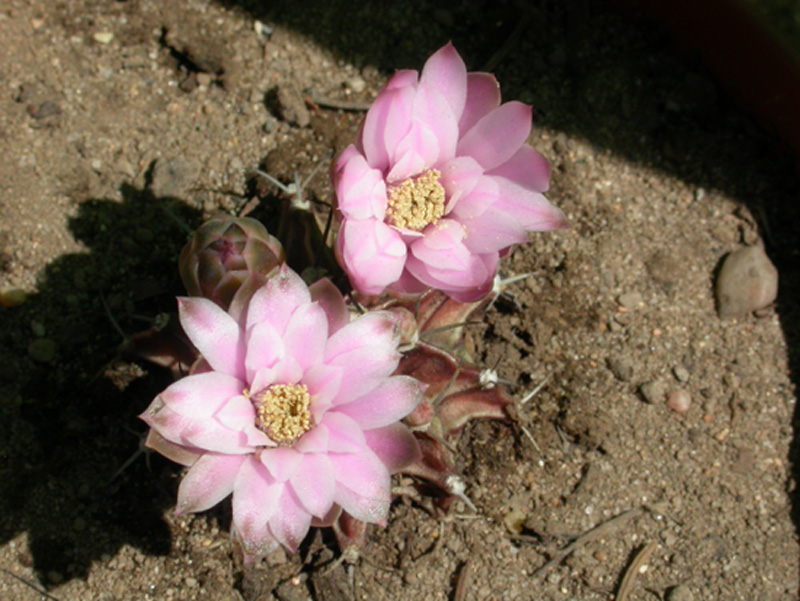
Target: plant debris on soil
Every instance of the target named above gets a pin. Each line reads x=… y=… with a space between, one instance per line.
x=657 y=458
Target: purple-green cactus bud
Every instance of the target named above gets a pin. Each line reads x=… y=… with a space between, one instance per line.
x=227 y=257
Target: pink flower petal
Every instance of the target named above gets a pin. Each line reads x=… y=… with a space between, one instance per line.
x=209 y=481
x=332 y=302
x=345 y=434
x=306 y=335
x=445 y=70
x=497 y=136
x=327 y=520
x=174 y=452
x=316 y=440
x=527 y=168
x=282 y=462
x=201 y=395
x=363 y=486
x=278 y=299
x=402 y=78
x=532 y=209
x=442 y=246
x=285 y=371
x=215 y=334
x=372 y=254
x=314 y=484
x=483 y=96
x=492 y=232
x=291 y=522
x=415 y=153
x=390 y=402
x=376 y=328
x=477 y=201
x=394 y=445
x=474 y=274
x=323 y=383
x=255 y=501
x=387 y=122
x=459 y=178
x=265 y=348
x=207 y=434
x=360 y=190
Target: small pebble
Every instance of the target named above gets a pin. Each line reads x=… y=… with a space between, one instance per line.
x=514 y=521
x=653 y=392
x=621 y=367
x=55 y=577
x=630 y=300
x=680 y=593
x=42 y=350
x=679 y=400
x=681 y=373
x=38 y=328
x=747 y=282
x=292 y=108
x=356 y=84
x=12 y=297
x=103 y=37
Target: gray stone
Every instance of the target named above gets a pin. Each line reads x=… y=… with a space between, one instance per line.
x=748 y=281
x=653 y=392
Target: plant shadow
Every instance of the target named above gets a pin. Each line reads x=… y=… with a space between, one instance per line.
x=71 y=399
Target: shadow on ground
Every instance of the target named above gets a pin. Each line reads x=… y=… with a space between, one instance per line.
x=616 y=81
x=74 y=424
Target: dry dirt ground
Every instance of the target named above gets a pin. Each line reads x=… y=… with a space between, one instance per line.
x=125 y=123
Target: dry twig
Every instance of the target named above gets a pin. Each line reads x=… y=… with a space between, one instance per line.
x=593 y=534
x=642 y=557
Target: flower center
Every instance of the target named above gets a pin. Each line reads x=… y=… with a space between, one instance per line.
x=283 y=412
x=417 y=202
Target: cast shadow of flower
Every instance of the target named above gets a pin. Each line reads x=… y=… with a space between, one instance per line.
x=68 y=421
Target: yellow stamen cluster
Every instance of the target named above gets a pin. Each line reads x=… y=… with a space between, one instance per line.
x=283 y=412
x=417 y=202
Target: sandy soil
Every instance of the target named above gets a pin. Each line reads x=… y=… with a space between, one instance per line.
x=125 y=123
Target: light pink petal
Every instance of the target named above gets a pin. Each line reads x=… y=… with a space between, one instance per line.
x=458 y=179
x=445 y=70
x=527 y=168
x=371 y=253
x=394 y=445
x=282 y=462
x=407 y=286
x=414 y=154
x=387 y=122
x=331 y=300
x=476 y=202
x=483 y=96
x=314 y=484
x=376 y=328
x=264 y=348
x=278 y=299
x=291 y=522
x=402 y=78
x=208 y=481
x=345 y=435
x=360 y=190
x=532 y=209
x=207 y=434
x=431 y=140
x=174 y=452
x=497 y=136
x=323 y=383
x=492 y=232
x=201 y=395
x=215 y=334
x=314 y=441
x=255 y=501
x=363 y=486
x=475 y=275
x=442 y=246
x=285 y=371
x=306 y=335
x=327 y=520
x=390 y=402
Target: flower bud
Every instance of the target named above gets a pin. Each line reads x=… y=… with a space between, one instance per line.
x=225 y=253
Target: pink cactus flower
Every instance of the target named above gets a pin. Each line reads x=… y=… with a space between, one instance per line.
x=439 y=184
x=293 y=409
